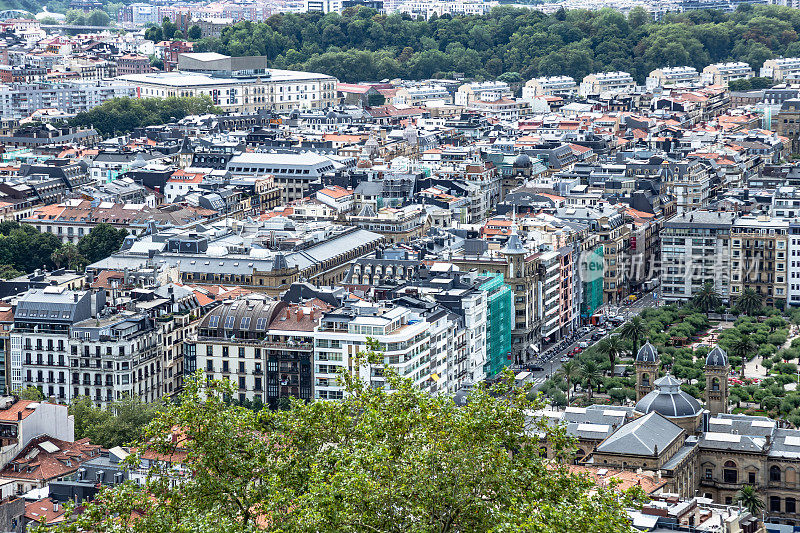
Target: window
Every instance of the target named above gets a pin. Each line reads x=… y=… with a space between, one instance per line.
x=709 y=473
x=729 y=473
x=751 y=478
x=244 y=323
x=241 y=351
x=790 y=505
x=261 y=324
x=213 y=321
x=229 y=320
x=774 y=504
x=775 y=474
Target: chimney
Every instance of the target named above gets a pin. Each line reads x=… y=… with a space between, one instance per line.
x=55 y=507
x=19 y=415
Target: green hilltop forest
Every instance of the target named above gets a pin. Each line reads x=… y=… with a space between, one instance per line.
x=512 y=44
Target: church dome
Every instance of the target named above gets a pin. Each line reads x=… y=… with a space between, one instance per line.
x=668 y=400
x=647 y=354
x=717 y=357
x=523 y=161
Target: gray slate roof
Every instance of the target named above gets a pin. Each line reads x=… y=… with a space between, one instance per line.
x=643 y=436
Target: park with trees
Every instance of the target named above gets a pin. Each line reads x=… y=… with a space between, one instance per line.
x=363 y=45
x=24 y=249
x=758 y=335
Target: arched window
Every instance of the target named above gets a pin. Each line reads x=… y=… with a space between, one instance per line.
x=646 y=380
x=775 y=474
x=715 y=384
x=729 y=473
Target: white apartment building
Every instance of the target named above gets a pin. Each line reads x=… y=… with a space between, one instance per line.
x=427 y=8
x=724 y=73
x=616 y=82
x=422 y=96
x=548 y=293
x=324 y=6
x=281 y=90
x=404 y=337
x=673 y=77
x=549 y=86
x=488 y=91
x=695 y=250
x=781 y=69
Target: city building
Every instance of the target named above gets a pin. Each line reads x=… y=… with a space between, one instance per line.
x=724 y=73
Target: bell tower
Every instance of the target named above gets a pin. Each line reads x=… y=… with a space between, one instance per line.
x=717 y=370
x=647 y=364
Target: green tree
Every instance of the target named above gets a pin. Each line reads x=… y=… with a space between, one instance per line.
x=750 y=301
x=395 y=459
x=633 y=330
x=194 y=33
x=120 y=115
x=750 y=500
x=8 y=272
x=168 y=29
x=30 y=393
x=743 y=347
x=707 y=299
x=590 y=373
x=98 y=18
x=122 y=424
x=570 y=373
x=611 y=347
x=101 y=242
x=69 y=257
x=154 y=33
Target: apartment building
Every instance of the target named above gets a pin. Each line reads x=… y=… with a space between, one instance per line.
x=21 y=100
x=673 y=77
x=263 y=346
x=488 y=91
x=403 y=334
x=786 y=122
x=724 y=73
x=237 y=84
x=690 y=182
x=695 y=250
x=397 y=225
x=41 y=335
x=759 y=249
x=781 y=69
x=422 y=96
x=549 y=86
x=115 y=356
x=617 y=82
x=293 y=172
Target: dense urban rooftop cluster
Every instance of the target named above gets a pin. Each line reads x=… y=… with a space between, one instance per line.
x=168 y=211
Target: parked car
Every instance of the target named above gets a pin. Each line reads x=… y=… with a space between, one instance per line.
x=583 y=344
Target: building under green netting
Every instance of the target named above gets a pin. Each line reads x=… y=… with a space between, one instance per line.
x=499 y=323
x=591 y=270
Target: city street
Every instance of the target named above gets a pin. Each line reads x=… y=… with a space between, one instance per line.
x=550 y=360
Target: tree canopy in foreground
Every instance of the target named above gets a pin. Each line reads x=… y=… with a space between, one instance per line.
x=378 y=461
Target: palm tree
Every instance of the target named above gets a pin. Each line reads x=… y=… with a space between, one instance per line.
x=750 y=500
x=750 y=301
x=612 y=348
x=569 y=371
x=591 y=375
x=742 y=347
x=634 y=330
x=707 y=298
